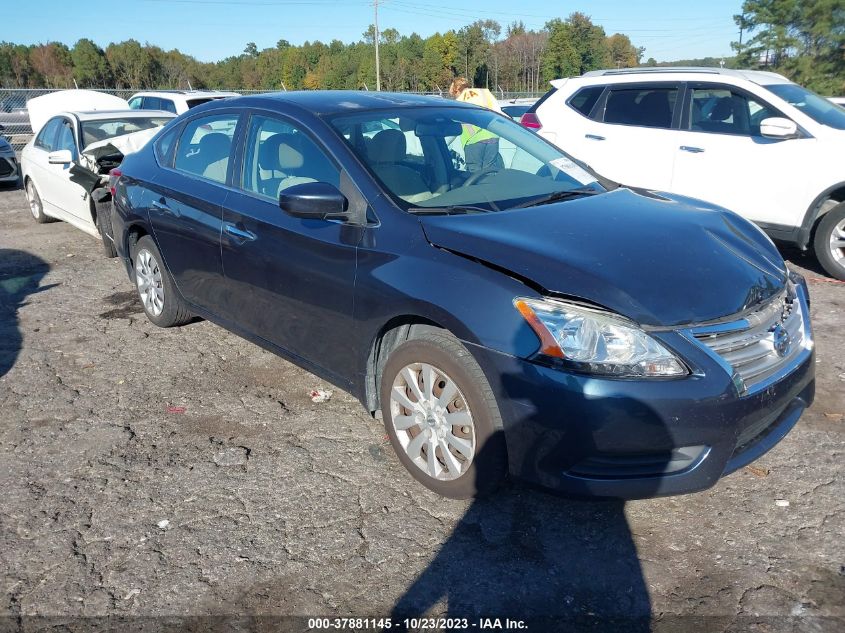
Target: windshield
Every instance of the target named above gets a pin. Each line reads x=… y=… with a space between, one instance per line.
x=93 y=131
x=817 y=108
x=459 y=157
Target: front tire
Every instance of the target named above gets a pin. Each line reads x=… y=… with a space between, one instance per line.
x=829 y=242
x=442 y=418
x=36 y=207
x=160 y=299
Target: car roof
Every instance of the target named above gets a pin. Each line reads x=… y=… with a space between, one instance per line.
x=761 y=77
x=104 y=115
x=322 y=102
x=188 y=94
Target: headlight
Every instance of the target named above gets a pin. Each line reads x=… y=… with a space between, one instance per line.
x=596 y=342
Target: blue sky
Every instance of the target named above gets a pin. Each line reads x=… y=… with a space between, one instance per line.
x=214 y=29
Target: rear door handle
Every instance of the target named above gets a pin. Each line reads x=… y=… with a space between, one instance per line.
x=161 y=205
x=240 y=233
x=691 y=150
x=594 y=137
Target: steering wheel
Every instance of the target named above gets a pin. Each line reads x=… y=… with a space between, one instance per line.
x=478 y=176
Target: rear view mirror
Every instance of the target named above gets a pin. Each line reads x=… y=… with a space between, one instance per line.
x=60 y=157
x=317 y=200
x=778 y=127
x=438 y=127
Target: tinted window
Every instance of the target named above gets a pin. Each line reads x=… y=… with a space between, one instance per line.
x=46 y=138
x=278 y=156
x=152 y=103
x=644 y=107
x=811 y=104
x=205 y=146
x=193 y=103
x=585 y=99
x=65 y=139
x=93 y=131
x=721 y=110
x=167 y=105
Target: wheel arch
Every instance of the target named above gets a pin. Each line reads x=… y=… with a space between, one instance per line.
x=817 y=210
x=391 y=335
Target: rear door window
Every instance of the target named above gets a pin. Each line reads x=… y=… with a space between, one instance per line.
x=152 y=103
x=46 y=138
x=167 y=105
x=205 y=146
x=648 y=106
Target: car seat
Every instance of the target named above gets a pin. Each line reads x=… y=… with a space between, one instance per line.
x=387 y=150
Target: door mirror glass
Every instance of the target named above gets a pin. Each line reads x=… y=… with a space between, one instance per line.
x=318 y=200
x=60 y=157
x=778 y=127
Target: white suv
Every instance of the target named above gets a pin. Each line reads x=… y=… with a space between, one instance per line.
x=177 y=101
x=750 y=141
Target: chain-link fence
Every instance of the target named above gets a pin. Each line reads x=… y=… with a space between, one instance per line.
x=14 y=118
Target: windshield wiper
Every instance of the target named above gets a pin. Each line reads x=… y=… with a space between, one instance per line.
x=455 y=209
x=557 y=196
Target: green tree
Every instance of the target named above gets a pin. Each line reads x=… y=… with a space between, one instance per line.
x=803 y=39
x=90 y=66
x=622 y=53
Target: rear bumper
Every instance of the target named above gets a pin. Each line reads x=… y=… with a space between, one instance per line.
x=590 y=436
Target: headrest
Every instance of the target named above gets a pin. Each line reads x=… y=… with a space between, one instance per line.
x=723 y=110
x=290 y=155
x=388 y=146
x=268 y=152
x=214 y=146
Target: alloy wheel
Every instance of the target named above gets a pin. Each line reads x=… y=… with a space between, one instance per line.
x=33 y=199
x=432 y=421
x=148 y=278
x=837 y=243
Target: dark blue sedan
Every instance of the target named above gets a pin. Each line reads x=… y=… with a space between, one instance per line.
x=503 y=307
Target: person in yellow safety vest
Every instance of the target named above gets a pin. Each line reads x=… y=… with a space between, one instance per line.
x=481 y=147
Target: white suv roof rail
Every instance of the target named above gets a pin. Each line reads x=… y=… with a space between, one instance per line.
x=750 y=75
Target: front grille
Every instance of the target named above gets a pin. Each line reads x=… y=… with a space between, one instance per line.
x=7 y=167
x=762 y=343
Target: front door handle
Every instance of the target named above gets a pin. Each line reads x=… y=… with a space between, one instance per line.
x=691 y=150
x=240 y=233
x=594 y=137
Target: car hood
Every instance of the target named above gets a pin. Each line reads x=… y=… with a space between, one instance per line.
x=661 y=260
x=42 y=109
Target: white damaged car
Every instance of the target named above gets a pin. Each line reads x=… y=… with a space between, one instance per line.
x=80 y=135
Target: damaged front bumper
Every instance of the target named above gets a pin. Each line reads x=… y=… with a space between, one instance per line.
x=632 y=438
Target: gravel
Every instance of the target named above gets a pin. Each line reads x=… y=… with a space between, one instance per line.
x=188 y=472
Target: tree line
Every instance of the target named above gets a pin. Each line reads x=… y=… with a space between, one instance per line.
x=515 y=59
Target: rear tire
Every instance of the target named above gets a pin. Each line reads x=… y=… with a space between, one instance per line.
x=104 y=226
x=829 y=242
x=36 y=207
x=162 y=303
x=441 y=416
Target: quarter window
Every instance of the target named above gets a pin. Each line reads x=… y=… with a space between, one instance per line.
x=721 y=110
x=643 y=107
x=585 y=99
x=279 y=155
x=205 y=146
x=46 y=138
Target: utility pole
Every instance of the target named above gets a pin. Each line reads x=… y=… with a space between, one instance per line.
x=378 y=74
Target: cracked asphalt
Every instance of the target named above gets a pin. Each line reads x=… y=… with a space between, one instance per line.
x=187 y=472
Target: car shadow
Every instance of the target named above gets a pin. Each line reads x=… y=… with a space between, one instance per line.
x=20 y=276
x=554 y=563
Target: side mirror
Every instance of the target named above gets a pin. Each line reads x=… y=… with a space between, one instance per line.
x=778 y=127
x=60 y=157
x=318 y=200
